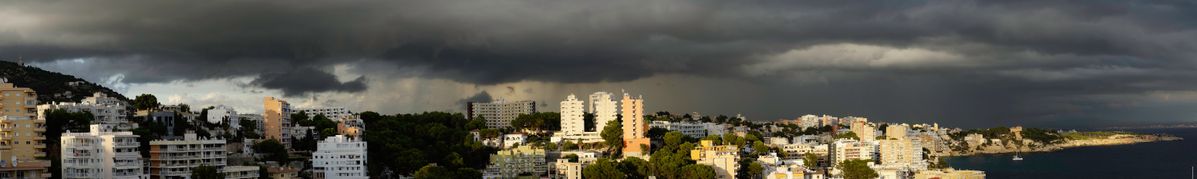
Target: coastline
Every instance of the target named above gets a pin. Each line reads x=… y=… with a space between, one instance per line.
x=1120 y=139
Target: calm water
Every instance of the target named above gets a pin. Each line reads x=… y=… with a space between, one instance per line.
x=1171 y=159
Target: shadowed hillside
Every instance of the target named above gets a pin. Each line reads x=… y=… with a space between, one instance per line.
x=52 y=86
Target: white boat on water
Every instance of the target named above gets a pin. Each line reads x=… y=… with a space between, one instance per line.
x=1017 y=158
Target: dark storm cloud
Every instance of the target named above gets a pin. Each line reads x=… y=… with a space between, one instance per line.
x=480 y=97
x=304 y=80
x=1023 y=58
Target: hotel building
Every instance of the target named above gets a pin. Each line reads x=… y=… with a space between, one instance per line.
x=500 y=113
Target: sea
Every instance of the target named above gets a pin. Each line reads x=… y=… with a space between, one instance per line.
x=1169 y=159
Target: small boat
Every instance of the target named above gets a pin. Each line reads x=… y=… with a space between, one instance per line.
x=1017 y=158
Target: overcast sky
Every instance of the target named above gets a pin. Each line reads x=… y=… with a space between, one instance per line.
x=956 y=62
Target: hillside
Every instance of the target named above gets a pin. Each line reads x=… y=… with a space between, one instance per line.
x=52 y=86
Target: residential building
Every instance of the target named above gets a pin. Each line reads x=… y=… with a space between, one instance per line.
x=241 y=172
x=863 y=130
x=107 y=113
x=897 y=131
x=572 y=116
x=101 y=153
x=277 y=120
x=692 y=129
x=102 y=98
x=332 y=113
x=500 y=113
x=340 y=157
x=509 y=163
x=352 y=126
x=635 y=129
x=723 y=158
x=847 y=149
x=567 y=169
x=512 y=140
x=175 y=157
x=22 y=142
x=949 y=174
x=17 y=101
x=903 y=153
x=224 y=115
x=603 y=108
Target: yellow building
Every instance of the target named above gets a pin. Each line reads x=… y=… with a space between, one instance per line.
x=22 y=138
x=950 y=174
x=277 y=119
x=724 y=158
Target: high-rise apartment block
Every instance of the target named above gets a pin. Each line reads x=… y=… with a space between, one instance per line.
x=276 y=120
x=635 y=129
x=846 y=149
x=603 y=108
x=500 y=113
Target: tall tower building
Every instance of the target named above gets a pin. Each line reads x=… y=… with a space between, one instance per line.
x=276 y=119
x=572 y=121
x=604 y=109
x=635 y=128
x=21 y=139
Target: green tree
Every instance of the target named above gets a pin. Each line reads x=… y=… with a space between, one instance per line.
x=697 y=171
x=432 y=171
x=477 y=123
x=274 y=150
x=755 y=169
x=759 y=148
x=602 y=169
x=206 y=172
x=249 y=129
x=145 y=101
x=810 y=160
x=59 y=121
x=634 y=167
x=674 y=138
x=538 y=121
x=847 y=135
x=857 y=169
x=613 y=136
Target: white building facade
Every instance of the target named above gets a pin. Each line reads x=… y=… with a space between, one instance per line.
x=101 y=154
x=340 y=157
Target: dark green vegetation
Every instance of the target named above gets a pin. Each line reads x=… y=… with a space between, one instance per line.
x=58 y=122
x=403 y=144
x=857 y=169
x=544 y=121
x=206 y=172
x=52 y=86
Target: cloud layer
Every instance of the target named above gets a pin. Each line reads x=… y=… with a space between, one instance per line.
x=1002 y=60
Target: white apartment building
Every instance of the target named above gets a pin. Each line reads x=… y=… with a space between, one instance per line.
x=808 y=121
x=175 y=157
x=101 y=153
x=512 y=140
x=107 y=114
x=692 y=129
x=500 y=113
x=572 y=119
x=340 y=157
x=103 y=99
x=603 y=108
x=569 y=169
x=224 y=114
x=847 y=149
x=333 y=113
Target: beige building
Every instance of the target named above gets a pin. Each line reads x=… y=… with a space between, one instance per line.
x=21 y=134
x=635 y=129
x=950 y=174
x=276 y=117
x=863 y=130
x=846 y=149
x=724 y=158
x=897 y=131
x=902 y=153
x=241 y=172
x=569 y=169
